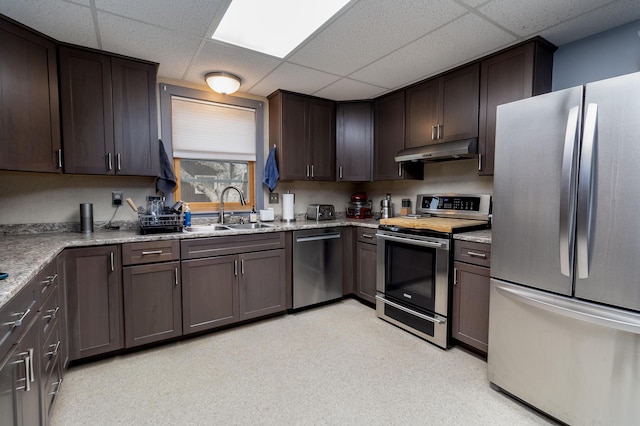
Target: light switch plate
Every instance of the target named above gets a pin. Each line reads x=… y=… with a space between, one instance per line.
x=274 y=198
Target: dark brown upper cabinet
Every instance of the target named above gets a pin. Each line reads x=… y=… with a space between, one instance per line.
x=109 y=114
x=444 y=108
x=508 y=76
x=388 y=139
x=29 y=111
x=354 y=141
x=304 y=131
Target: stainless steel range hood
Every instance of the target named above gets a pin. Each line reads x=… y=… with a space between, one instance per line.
x=456 y=150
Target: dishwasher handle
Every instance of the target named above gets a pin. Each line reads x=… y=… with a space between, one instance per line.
x=318 y=237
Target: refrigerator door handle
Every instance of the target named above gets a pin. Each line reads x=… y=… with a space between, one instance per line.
x=567 y=194
x=585 y=190
x=581 y=311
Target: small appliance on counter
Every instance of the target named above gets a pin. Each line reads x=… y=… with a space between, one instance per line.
x=321 y=212
x=359 y=207
x=386 y=207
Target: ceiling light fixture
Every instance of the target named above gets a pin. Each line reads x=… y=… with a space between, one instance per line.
x=243 y=23
x=223 y=82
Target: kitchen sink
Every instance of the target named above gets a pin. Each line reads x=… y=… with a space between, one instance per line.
x=259 y=225
x=207 y=228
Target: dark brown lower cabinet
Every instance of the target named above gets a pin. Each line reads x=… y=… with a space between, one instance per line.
x=94 y=300
x=262 y=278
x=471 y=295
x=366 y=261
x=152 y=303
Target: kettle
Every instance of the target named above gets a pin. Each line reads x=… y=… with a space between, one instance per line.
x=386 y=207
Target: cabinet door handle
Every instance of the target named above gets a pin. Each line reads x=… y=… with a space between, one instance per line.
x=235 y=268
x=109 y=162
x=440 y=131
x=312 y=171
x=52 y=313
x=340 y=172
x=112 y=260
x=59 y=158
x=367 y=236
x=18 y=322
x=175 y=272
x=455 y=276
x=147 y=253
x=242 y=266
x=57 y=384
x=400 y=169
x=433 y=133
x=54 y=352
x=307 y=171
x=118 y=161
x=475 y=254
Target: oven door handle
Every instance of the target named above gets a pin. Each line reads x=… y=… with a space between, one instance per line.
x=412 y=241
x=437 y=320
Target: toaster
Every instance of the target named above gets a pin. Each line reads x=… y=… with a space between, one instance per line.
x=321 y=212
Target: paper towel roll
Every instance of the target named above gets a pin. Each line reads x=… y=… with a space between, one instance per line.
x=287 y=207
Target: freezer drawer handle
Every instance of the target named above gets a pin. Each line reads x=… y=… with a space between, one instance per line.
x=580 y=311
x=437 y=319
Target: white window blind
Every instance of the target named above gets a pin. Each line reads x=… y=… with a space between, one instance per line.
x=212 y=131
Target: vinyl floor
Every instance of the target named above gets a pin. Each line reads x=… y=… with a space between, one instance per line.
x=336 y=364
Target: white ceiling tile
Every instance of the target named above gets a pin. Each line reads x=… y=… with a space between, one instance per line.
x=474 y=3
x=370 y=29
x=463 y=40
x=61 y=20
x=172 y=50
x=527 y=18
x=346 y=90
x=619 y=13
x=250 y=66
x=294 y=78
x=187 y=16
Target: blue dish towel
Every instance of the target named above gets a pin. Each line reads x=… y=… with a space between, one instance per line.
x=271 y=174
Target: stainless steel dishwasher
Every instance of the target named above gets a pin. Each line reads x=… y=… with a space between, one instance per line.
x=317 y=266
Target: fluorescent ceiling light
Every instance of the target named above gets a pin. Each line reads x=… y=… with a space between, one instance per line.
x=274 y=27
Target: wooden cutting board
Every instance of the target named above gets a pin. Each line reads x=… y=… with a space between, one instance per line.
x=442 y=224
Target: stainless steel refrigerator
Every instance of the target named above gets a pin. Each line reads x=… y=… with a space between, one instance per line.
x=564 y=332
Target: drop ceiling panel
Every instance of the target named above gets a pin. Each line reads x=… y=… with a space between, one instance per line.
x=526 y=18
x=250 y=66
x=347 y=90
x=294 y=78
x=185 y=16
x=371 y=29
x=172 y=50
x=594 y=22
x=465 y=39
x=60 y=20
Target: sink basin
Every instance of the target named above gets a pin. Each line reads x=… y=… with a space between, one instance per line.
x=248 y=226
x=207 y=228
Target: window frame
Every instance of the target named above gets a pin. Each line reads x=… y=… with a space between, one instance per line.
x=166 y=93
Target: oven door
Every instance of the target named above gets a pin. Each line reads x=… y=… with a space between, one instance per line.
x=413 y=284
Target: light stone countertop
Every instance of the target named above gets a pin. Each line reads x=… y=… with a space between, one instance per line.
x=25 y=255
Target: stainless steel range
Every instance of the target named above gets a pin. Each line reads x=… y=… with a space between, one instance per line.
x=415 y=256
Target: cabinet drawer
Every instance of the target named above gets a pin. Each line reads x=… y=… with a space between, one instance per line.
x=219 y=246
x=49 y=312
x=366 y=235
x=474 y=253
x=151 y=252
x=17 y=314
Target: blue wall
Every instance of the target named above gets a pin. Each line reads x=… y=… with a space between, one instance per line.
x=607 y=54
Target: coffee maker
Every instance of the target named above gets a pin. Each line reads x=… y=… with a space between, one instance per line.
x=386 y=207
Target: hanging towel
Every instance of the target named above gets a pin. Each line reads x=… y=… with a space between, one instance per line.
x=166 y=183
x=271 y=174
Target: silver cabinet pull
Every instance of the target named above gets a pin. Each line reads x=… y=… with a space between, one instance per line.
x=56 y=348
x=433 y=133
x=148 y=253
x=399 y=169
x=235 y=268
x=475 y=254
x=367 y=236
x=479 y=162
x=455 y=276
x=59 y=158
x=18 y=322
x=242 y=266
x=308 y=171
x=52 y=313
x=113 y=268
x=57 y=385
x=109 y=162
x=340 y=172
x=312 y=176
x=118 y=161
x=440 y=131
x=175 y=272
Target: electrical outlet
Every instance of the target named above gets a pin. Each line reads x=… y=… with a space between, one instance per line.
x=116 y=199
x=274 y=198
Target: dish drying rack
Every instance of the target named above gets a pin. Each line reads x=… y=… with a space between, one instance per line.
x=159 y=223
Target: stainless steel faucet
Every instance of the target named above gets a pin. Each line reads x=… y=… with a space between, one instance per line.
x=224 y=191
